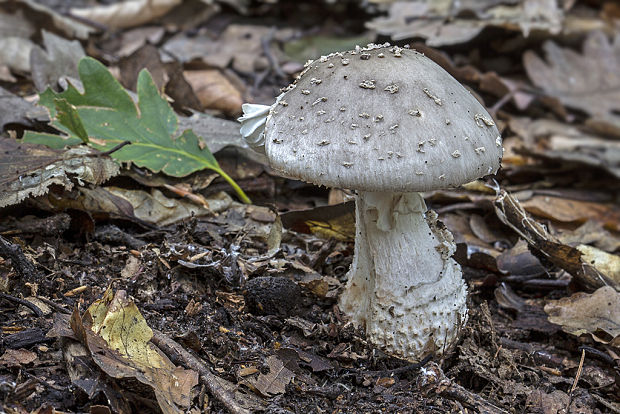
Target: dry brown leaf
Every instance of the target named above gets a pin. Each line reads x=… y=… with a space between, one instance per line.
x=17 y=357
x=238 y=44
x=597 y=314
x=446 y=22
x=126 y=13
x=29 y=170
x=511 y=213
x=589 y=81
x=335 y=221
x=215 y=91
x=573 y=211
x=118 y=338
x=276 y=380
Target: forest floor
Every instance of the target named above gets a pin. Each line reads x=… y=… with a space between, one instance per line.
x=136 y=291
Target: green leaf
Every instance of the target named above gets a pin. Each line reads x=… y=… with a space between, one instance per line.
x=106 y=116
x=68 y=116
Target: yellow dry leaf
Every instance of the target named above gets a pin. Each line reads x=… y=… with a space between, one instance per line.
x=116 y=320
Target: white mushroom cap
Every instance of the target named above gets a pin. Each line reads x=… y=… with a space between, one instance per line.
x=381 y=119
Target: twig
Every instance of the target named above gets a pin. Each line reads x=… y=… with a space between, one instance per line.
x=20 y=262
x=577 y=376
x=23 y=302
x=114 y=149
x=433 y=379
x=176 y=352
x=598 y=354
x=54 y=305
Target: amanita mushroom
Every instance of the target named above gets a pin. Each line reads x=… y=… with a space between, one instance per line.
x=389 y=123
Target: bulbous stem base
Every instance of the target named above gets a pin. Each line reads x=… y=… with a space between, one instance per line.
x=404 y=287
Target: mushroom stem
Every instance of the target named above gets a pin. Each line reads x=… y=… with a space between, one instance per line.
x=404 y=287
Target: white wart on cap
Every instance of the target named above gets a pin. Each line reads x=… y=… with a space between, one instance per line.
x=381 y=119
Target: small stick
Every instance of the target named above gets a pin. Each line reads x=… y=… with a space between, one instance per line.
x=175 y=351
x=23 y=302
x=116 y=148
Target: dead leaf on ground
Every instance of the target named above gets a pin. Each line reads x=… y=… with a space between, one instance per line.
x=29 y=170
x=511 y=213
x=444 y=23
x=556 y=140
x=167 y=76
x=573 y=211
x=336 y=221
x=276 y=380
x=215 y=91
x=125 y=14
x=239 y=44
x=118 y=339
x=17 y=357
x=16 y=110
x=589 y=81
x=59 y=59
x=597 y=314
x=44 y=17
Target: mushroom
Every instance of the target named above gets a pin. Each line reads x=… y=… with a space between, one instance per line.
x=389 y=125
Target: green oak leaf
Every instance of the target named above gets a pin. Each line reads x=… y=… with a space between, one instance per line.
x=105 y=116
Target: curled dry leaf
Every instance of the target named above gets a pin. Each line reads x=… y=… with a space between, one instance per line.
x=214 y=90
x=118 y=338
x=126 y=13
x=276 y=380
x=587 y=274
x=442 y=23
x=29 y=170
x=590 y=81
x=597 y=314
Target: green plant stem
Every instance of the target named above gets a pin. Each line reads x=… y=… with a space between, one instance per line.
x=234 y=185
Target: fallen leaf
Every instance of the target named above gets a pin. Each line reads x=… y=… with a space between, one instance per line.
x=215 y=91
x=597 y=314
x=444 y=23
x=119 y=343
x=511 y=213
x=573 y=211
x=28 y=170
x=17 y=357
x=275 y=381
x=238 y=44
x=15 y=53
x=60 y=58
x=16 y=110
x=335 y=221
x=125 y=14
x=590 y=81
x=110 y=117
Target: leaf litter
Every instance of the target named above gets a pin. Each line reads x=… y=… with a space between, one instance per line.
x=242 y=297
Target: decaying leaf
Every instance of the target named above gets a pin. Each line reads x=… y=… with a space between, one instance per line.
x=17 y=357
x=446 y=22
x=337 y=221
x=276 y=380
x=590 y=81
x=214 y=90
x=60 y=58
x=239 y=44
x=155 y=207
x=29 y=170
x=511 y=213
x=561 y=141
x=597 y=314
x=16 y=110
x=118 y=338
x=126 y=13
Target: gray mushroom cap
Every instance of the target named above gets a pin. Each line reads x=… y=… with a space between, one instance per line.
x=381 y=119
